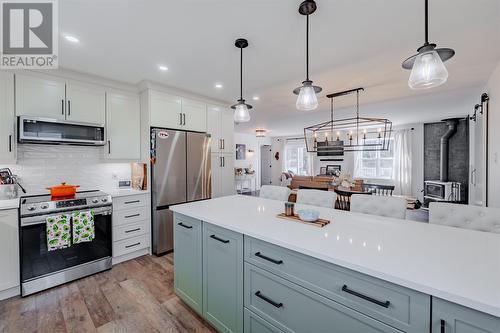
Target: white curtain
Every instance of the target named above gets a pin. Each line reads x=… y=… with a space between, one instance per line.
x=401 y=173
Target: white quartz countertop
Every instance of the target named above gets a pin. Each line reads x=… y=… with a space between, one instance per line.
x=123 y=192
x=458 y=265
x=9 y=204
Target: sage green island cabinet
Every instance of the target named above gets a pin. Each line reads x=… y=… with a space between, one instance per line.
x=448 y=317
x=188 y=264
x=223 y=278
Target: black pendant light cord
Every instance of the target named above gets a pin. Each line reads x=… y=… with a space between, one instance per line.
x=426 y=22
x=307 y=47
x=241 y=73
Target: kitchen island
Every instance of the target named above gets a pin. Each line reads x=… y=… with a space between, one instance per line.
x=362 y=271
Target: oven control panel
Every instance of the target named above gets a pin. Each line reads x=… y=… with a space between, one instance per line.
x=71 y=203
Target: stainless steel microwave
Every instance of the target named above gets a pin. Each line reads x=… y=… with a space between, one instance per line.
x=55 y=131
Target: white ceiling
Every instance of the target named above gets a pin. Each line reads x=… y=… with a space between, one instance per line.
x=353 y=43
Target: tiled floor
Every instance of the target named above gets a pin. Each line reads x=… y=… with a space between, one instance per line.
x=135 y=296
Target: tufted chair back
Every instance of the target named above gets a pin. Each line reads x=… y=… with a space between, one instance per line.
x=316 y=198
x=379 y=205
x=275 y=192
x=465 y=216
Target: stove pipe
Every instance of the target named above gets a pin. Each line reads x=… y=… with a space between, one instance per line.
x=445 y=140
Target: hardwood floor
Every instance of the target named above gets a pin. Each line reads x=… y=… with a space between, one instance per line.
x=134 y=296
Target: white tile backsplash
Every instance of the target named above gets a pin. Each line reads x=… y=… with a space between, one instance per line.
x=41 y=166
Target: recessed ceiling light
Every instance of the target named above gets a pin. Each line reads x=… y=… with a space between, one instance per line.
x=72 y=39
x=256 y=98
x=163 y=68
x=218 y=85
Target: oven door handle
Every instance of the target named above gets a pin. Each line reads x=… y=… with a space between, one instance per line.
x=42 y=219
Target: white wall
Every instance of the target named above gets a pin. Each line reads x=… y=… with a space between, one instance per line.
x=41 y=166
x=493 y=90
x=252 y=159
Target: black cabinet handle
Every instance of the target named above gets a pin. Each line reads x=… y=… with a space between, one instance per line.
x=367 y=298
x=133 y=215
x=185 y=226
x=184 y=123
x=225 y=241
x=274 y=261
x=109 y=147
x=132 y=245
x=69 y=108
x=10 y=143
x=443 y=326
x=62 y=107
x=268 y=300
x=131 y=202
x=180 y=119
x=132 y=230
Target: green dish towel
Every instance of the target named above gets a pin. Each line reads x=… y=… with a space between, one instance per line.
x=58 y=232
x=83 y=226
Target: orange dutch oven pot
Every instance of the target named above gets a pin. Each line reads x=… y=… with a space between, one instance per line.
x=63 y=190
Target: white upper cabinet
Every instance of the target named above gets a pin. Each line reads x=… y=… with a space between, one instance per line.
x=165 y=110
x=7 y=119
x=220 y=125
x=56 y=99
x=40 y=97
x=195 y=115
x=213 y=127
x=169 y=111
x=123 y=126
x=85 y=104
x=227 y=131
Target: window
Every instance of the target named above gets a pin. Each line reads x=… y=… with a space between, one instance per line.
x=297 y=159
x=375 y=164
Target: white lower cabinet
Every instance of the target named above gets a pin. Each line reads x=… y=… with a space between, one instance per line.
x=131 y=227
x=222 y=175
x=9 y=253
x=123 y=124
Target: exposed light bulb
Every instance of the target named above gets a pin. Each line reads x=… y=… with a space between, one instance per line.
x=428 y=71
x=241 y=114
x=307 y=100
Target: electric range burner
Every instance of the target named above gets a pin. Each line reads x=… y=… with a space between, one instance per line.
x=44 y=204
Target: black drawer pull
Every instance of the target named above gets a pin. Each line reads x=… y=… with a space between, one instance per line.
x=133 y=215
x=268 y=300
x=443 y=326
x=131 y=202
x=367 y=298
x=185 y=226
x=132 y=230
x=132 y=245
x=274 y=261
x=225 y=241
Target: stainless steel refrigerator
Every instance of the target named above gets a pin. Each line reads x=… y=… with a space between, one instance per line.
x=180 y=172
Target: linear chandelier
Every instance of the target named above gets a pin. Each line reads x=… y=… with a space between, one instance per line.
x=348 y=134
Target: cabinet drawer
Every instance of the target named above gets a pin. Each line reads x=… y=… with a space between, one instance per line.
x=406 y=309
x=131 y=230
x=130 y=201
x=130 y=245
x=255 y=324
x=292 y=308
x=131 y=215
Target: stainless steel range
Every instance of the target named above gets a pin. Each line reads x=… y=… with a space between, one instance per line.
x=43 y=268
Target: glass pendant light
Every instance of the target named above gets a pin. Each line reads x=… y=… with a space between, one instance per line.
x=427 y=67
x=241 y=114
x=307 y=100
